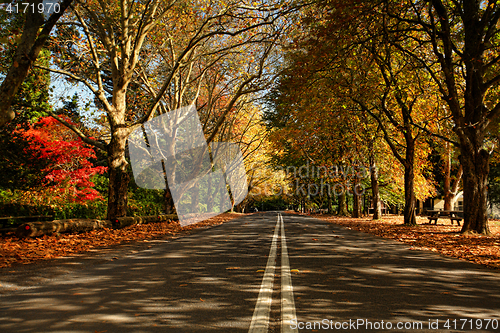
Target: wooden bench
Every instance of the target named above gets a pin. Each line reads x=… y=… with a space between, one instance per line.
x=447 y=214
x=451 y=218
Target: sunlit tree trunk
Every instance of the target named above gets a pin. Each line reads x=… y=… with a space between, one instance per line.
x=342 y=209
x=118 y=175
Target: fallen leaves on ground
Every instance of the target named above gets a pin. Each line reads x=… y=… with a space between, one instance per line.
x=14 y=250
x=443 y=237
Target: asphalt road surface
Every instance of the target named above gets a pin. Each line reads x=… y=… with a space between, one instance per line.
x=261 y=273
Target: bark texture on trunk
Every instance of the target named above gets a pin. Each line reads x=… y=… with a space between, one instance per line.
x=451 y=184
x=409 y=210
x=342 y=209
x=410 y=200
x=356 y=199
x=475 y=183
x=118 y=176
x=168 y=202
x=377 y=206
x=448 y=196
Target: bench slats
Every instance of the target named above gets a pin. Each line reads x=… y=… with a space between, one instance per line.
x=451 y=218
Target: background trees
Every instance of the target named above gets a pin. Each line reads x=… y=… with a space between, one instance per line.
x=407 y=63
x=456 y=42
x=165 y=49
x=347 y=83
x=37 y=25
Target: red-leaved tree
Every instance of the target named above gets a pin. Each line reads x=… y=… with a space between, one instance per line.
x=69 y=171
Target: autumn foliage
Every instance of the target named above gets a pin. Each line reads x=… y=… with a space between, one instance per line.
x=444 y=239
x=14 y=250
x=68 y=171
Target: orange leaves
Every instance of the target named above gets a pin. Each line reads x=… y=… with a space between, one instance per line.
x=444 y=239
x=24 y=251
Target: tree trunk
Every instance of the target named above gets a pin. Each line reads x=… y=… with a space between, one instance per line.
x=377 y=206
x=356 y=199
x=168 y=202
x=448 y=196
x=118 y=175
x=475 y=182
x=35 y=229
x=342 y=210
x=21 y=65
x=409 y=210
x=30 y=45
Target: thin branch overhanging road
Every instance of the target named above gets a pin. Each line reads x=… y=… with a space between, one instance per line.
x=219 y=280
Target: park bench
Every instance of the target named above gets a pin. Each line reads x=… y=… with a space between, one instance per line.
x=451 y=215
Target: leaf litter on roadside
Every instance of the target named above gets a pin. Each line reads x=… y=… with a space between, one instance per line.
x=443 y=238
x=14 y=250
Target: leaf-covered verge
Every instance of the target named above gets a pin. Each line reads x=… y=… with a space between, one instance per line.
x=15 y=251
x=443 y=237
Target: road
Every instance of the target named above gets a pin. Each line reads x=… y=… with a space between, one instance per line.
x=245 y=276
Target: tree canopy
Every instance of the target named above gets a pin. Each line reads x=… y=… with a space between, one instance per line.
x=398 y=98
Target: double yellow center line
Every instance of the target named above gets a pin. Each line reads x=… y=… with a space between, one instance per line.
x=261 y=314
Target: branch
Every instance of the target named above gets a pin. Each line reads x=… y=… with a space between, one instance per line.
x=97 y=93
x=386 y=135
x=193 y=42
x=241 y=92
x=81 y=134
x=455 y=143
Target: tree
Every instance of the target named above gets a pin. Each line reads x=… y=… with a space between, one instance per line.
x=21 y=165
x=345 y=62
x=311 y=129
x=34 y=35
x=457 y=43
x=398 y=101
x=69 y=170
x=57 y=166
x=124 y=48
x=451 y=184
